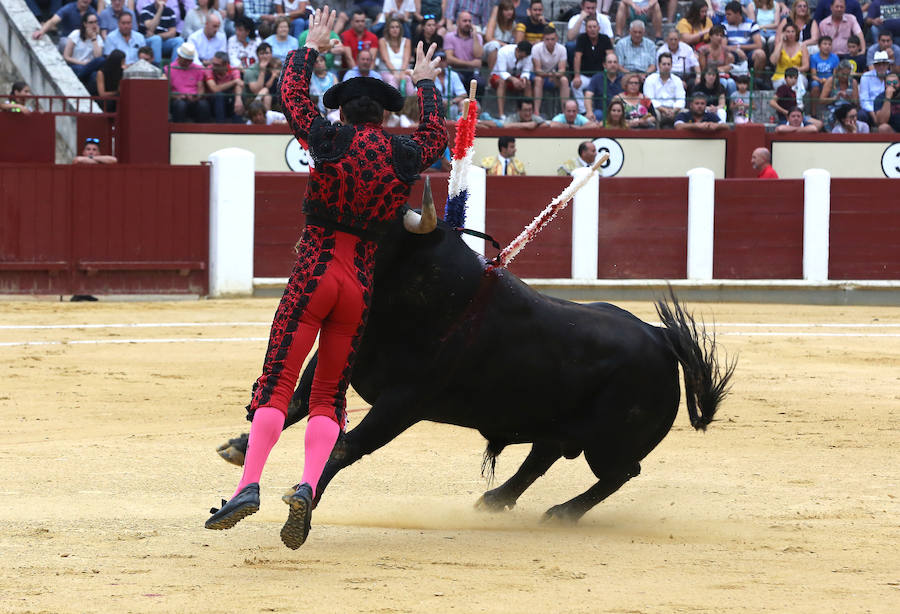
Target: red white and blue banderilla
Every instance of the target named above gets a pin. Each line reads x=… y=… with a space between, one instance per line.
x=463 y=150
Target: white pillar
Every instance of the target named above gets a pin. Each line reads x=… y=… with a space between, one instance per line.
x=701 y=217
x=816 y=218
x=231 y=208
x=476 y=207
x=585 y=226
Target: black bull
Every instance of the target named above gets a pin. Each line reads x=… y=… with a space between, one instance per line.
x=450 y=342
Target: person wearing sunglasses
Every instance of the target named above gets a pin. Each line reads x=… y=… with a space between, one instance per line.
x=887 y=105
x=91 y=153
x=66 y=19
x=84 y=48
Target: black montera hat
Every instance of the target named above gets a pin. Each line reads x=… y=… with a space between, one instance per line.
x=389 y=97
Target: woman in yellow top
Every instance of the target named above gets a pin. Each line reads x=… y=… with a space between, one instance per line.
x=789 y=52
x=694 y=28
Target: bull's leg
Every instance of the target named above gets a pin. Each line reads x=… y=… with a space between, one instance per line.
x=504 y=497
x=383 y=423
x=235 y=449
x=609 y=482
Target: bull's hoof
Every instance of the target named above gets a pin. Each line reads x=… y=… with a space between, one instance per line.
x=491 y=502
x=560 y=514
x=234 y=450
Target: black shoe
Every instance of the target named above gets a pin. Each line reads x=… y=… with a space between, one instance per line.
x=296 y=527
x=232 y=512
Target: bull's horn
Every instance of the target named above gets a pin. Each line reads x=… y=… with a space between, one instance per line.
x=425 y=223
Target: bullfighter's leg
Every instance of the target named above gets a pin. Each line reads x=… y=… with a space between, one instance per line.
x=608 y=483
x=387 y=419
x=536 y=464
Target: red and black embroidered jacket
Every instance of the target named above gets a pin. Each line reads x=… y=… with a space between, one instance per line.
x=362 y=175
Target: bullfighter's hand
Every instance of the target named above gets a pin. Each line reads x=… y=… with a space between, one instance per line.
x=320 y=25
x=426 y=63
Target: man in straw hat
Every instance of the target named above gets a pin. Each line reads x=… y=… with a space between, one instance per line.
x=359 y=185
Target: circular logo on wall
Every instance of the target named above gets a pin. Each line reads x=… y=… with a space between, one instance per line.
x=297 y=157
x=890 y=161
x=616 y=156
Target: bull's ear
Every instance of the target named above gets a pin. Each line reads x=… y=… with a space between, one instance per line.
x=425 y=223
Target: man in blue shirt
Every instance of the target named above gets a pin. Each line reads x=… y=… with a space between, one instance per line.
x=109 y=17
x=602 y=88
x=65 y=20
x=125 y=40
x=744 y=39
x=871 y=84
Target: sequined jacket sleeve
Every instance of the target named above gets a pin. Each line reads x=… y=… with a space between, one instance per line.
x=295 y=100
x=431 y=135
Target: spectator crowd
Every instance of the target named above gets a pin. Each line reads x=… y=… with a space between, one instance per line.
x=624 y=64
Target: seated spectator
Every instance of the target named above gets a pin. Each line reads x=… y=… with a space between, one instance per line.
x=761 y=161
x=636 y=53
x=590 y=52
x=125 y=39
x=697 y=118
x=90 y=154
x=365 y=64
x=146 y=53
x=684 y=60
x=717 y=55
x=786 y=97
x=768 y=16
x=694 y=27
x=262 y=13
x=428 y=34
x=17 y=101
x=339 y=54
x=464 y=47
x=646 y=11
x=525 y=117
x=500 y=31
x=887 y=105
x=157 y=23
x=796 y=122
x=282 y=42
x=296 y=12
x=821 y=68
x=226 y=86
x=711 y=88
x=847 y=121
x=243 y=43
x=109 y=17
x=402 y=10
x=855 y=55
x=549 y=61
x=210 y=40
x=571 y=118
x=871 y=84
x=261 y=78
x=886 y=44
x=257 y=115
x=839 y=89
x=512 y=73
x=505 y=163
x=615 y=115
x=394 y=51
x=639 y=111
x=839 y=26
x=532 y=28
x=357 y=37
x=807 y=28
x=186 y=83
x=84 y=48
x=665 y=90
x=604 y=86
x=407 y=117
x=789 y=53
x=195 y=18
x=179 y=7
x=587 y=153
x=107 y=80
x=451 y=88
x=442 y=164
x=578 y=22
x=739 y=100
x=744 y=39
x=851 y=7
x=65 y=20
x=884 y=16
x=320 y=82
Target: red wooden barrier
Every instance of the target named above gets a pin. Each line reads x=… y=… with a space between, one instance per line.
x=28 y=138
x=758 y=229
x=104 y=230
x=864 y=229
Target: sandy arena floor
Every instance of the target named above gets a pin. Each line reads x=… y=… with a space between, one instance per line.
x=789 y=503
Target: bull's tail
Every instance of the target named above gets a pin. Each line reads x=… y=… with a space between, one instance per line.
x=706 y=379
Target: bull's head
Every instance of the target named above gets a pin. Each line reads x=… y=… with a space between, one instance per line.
x=425 y=223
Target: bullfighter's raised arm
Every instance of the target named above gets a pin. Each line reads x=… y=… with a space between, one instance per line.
x=295 y=100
